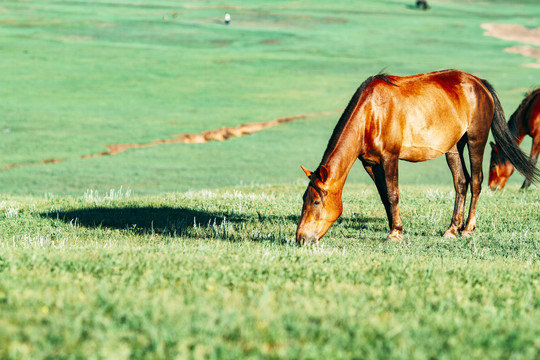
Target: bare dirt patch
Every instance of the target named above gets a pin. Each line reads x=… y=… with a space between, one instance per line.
x=526 y=51
x=334 y=20
x=41 y=162
x=513 y=32
x=221 y=43
x=220 y=134
x=199 y=7
x=75 y=38
x=519 y=33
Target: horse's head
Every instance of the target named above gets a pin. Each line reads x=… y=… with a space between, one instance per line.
x=322 y=206
x=500 y=169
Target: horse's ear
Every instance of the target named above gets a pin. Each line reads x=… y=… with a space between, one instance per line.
x=323 y=173
x=308 y=173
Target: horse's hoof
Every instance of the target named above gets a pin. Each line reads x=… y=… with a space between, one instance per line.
x=450 y=234
x=395 y=236
x=466 y=234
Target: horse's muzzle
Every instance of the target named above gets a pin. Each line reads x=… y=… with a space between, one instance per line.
x=305 y=239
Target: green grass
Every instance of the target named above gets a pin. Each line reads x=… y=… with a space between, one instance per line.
x=214 y=274
x=186 y=250
x=81 y=75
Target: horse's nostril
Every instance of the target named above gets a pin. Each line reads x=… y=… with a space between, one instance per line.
x=306 y=240
x=302 y=239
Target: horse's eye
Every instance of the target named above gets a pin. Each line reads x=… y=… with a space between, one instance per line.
x=316 y=202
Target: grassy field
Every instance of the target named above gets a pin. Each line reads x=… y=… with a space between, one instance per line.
x=186 y=250
x=214 y=274
x=79 y=76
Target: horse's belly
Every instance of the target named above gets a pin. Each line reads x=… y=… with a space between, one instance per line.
x=429 y=145
x=429 y=133
x=420 y=153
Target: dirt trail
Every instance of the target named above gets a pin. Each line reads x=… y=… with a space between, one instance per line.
x=517 y=33
x=41 y=162
x=220 y=134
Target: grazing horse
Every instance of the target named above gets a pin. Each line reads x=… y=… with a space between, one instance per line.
x=524 y=121
x=413 y=118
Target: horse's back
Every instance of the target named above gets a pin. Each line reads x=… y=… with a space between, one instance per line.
x=428 y=113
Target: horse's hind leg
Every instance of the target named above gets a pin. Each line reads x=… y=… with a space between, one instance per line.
x=455 y=161
x=476 y=155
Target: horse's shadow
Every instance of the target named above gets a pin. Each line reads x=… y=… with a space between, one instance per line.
x=158 y=220
x=170 y=221
x=185 y=222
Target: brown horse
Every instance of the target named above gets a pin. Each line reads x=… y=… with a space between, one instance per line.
x=524 y=121
x=413 y=118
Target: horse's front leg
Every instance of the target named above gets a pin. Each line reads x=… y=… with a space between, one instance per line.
x=390 y=167
x=385 y=177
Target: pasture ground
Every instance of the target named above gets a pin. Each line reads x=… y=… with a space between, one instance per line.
x=213 y=274
x=190 y=254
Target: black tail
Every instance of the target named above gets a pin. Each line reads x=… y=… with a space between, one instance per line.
x=507 y=143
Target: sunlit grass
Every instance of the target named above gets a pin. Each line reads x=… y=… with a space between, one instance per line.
x=187 y=250
x=216 y=273
x=79 y=76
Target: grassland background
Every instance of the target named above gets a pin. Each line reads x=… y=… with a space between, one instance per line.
x=79 y=76
x=185 y=250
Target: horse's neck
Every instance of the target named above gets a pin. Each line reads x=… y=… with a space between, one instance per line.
x=517 y=126
x=341 y=158
x=518 y=121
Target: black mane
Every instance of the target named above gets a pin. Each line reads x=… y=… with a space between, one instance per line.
x=522 y=110
x=515 y=118
x=348 y=112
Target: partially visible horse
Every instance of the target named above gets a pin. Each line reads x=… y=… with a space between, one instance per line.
x=524 y=121
x=413 y=118
x=422 y=4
